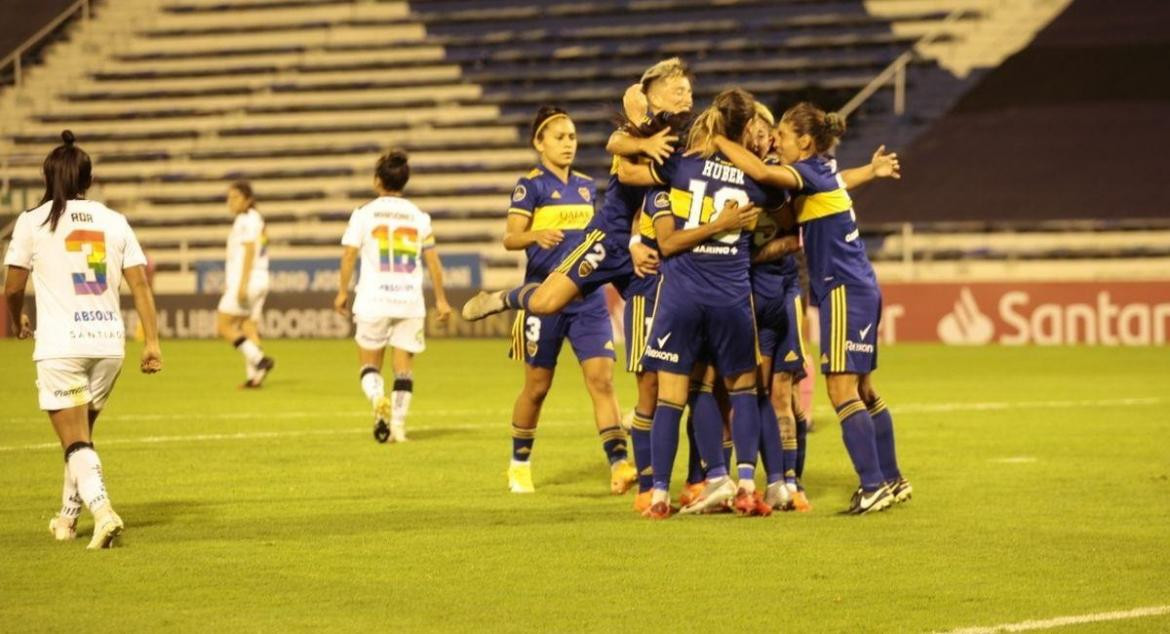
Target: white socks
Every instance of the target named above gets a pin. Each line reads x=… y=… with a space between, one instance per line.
x=250 y=350
x=372 y=384
x=400 y=400
x=70 y=500
x=86 y=469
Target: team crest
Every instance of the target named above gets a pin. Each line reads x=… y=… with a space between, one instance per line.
x=662 y=200
x=586 y=195
x=585 y=268
x=532 y=347
x=519 y=193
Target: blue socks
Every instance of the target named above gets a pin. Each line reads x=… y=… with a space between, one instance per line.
x=664 y=441
x=770 y=441
x=640 y=435
x=708 y=420
x=517 y=298
x=522 y=440
x=858 y=433
x=745 y=431
x=883 y=431
x=801 y=443
x=614 y=442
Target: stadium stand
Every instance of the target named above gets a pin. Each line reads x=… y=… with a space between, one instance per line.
x=176 y=98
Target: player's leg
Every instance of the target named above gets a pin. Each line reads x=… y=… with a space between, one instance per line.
x=525 y=416
x=372 y=337
x=230 y=318
x=546 y=298
x=664 y=436
x=711 y=436
x=776 y=495
x=407 y=338
x=640 y=436
x=883 y=426
x=251 y=329
x=857 y=432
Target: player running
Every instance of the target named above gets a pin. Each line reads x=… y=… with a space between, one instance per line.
x=390 y=233
x=550 y=208
x=77 y=251
x=245 y=284
x=842 y=285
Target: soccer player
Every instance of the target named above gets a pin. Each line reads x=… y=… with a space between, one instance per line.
x=390 y=233
x=245 y=284
x=550 y=208
x=705 y=292
x=78 y=251
x=843 y=286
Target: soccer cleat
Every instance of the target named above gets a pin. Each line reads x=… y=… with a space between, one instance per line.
x=107 y=527
x=869 y=502
x=397 y=432
x=642 y=501
x=483 y=305
x=658 y=511
x=778 y=496
x=265 y=366
x=381 y=415
x=750 y=504
x=622 y=476
x=691 y=492
x=901 y=490
x=62 y=528
x=715 y=495
x=800 y=502
x=520 y=478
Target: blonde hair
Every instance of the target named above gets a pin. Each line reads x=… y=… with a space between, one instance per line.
x=729 y=114
x=765 y=114
x=672 y=67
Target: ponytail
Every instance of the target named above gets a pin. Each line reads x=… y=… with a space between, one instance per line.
x=68 y=175
x=729 y=115
x=825 y=129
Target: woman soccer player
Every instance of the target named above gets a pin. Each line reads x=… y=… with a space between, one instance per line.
x=390 y=233
x=245 y=284
x=550 y=208
x=77 y=251
x=843 y=286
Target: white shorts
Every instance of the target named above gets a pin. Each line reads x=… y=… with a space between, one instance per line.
x=404 y=334
x=230 y=305
x=66 y=383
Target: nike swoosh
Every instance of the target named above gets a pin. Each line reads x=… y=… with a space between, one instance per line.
x=662 y=340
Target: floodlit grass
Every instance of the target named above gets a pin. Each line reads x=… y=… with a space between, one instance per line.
x=1042 y=480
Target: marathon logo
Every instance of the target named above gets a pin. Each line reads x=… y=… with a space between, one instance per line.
x=76 y=391
x=662 y=355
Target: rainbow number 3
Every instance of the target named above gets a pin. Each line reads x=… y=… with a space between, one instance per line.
x=397 y=250
x=91 y=279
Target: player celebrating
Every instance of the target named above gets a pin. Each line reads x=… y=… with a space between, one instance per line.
x=245 y=284
x=550 y=209
x=78 y=251
x=389 y=233
x=843 y=286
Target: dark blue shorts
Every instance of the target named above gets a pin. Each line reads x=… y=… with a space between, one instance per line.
x=849 y=318
x=599 y=259
x=778 y=320
x=538 y=340
x=683 y=327
x=639 y=296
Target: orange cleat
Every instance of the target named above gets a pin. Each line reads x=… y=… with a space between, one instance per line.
x=658 y=511
x=751 y=504
x=690 y=493
x=800 y=502
x=642 y=501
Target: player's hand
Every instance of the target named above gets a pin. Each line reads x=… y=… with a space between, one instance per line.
x=26 y=330
x=151 y=359
x=885 y=164
x=635 y=104
x=549 y=238
x=660 y=146
x=442 y=310
x=340 y=303
x=645 y=259
x=733 y=216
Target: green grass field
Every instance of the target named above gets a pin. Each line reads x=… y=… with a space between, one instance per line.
x=1042 y=479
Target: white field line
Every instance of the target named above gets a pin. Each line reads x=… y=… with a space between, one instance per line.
x=1062 y=621
x=481 y=413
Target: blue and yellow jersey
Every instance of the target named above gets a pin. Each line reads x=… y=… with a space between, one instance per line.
x=716 y=271
x=657 y=199
x=621 y=203
x=832 y=243
x=552 y=204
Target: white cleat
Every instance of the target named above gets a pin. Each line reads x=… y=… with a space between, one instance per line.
x=778 y=496
x=107 y=527
x=63 y=528
x=397 y=432
x=717 y=494
x=483 y=305
x=520 y=478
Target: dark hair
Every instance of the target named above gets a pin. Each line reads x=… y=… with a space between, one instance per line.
x=393 y=170
x=68 y=174
x=678 y=122
x=729 y=115
x=826 y=129
x=543 y=114
x=245 y=188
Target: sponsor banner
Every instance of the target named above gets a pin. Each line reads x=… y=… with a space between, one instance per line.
x=1027 y=313
x=309 y=275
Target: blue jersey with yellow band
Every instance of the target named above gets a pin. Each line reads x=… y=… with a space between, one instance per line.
x=552 y=204
x=621 y=203
x=657 y=199
x=717 y=270
x=771 y=278
x=832 y=243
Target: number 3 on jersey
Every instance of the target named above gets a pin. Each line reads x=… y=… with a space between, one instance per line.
x=720 y=198
x=397 y=251
x=91 y=280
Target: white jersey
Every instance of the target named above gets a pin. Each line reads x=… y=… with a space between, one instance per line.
x=248 y=228
x=391 y=233
x=76 y=272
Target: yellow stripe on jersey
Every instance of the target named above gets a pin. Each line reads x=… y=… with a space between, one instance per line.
x=646 y=226
x=613 y=164
x=536 y=171
x=562 y=217
x=840 y=310
x=592 y=238
x=796 y=173
x=680 y=205
x=822 y=204
x=518 y=210
x=655 y=175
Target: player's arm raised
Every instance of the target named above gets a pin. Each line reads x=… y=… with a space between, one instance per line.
x=883 y=165
x=144 y=304
x=672 y=241
x=435 y=269
x=349 y=256
x=744 y=159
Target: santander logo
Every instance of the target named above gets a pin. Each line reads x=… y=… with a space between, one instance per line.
x=966 y=324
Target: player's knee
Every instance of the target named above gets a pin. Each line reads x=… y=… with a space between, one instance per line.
x=841 y=391
x=599 y=383
x=536 y=390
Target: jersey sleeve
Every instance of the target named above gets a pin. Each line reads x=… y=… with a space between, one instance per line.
x=658 y=202
x=426 y=233
x=353 y=231
x=252 y=227
x=663 y=174
x=132 y=254
x=20 y=251
x=524 y=198
x=811 y=180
